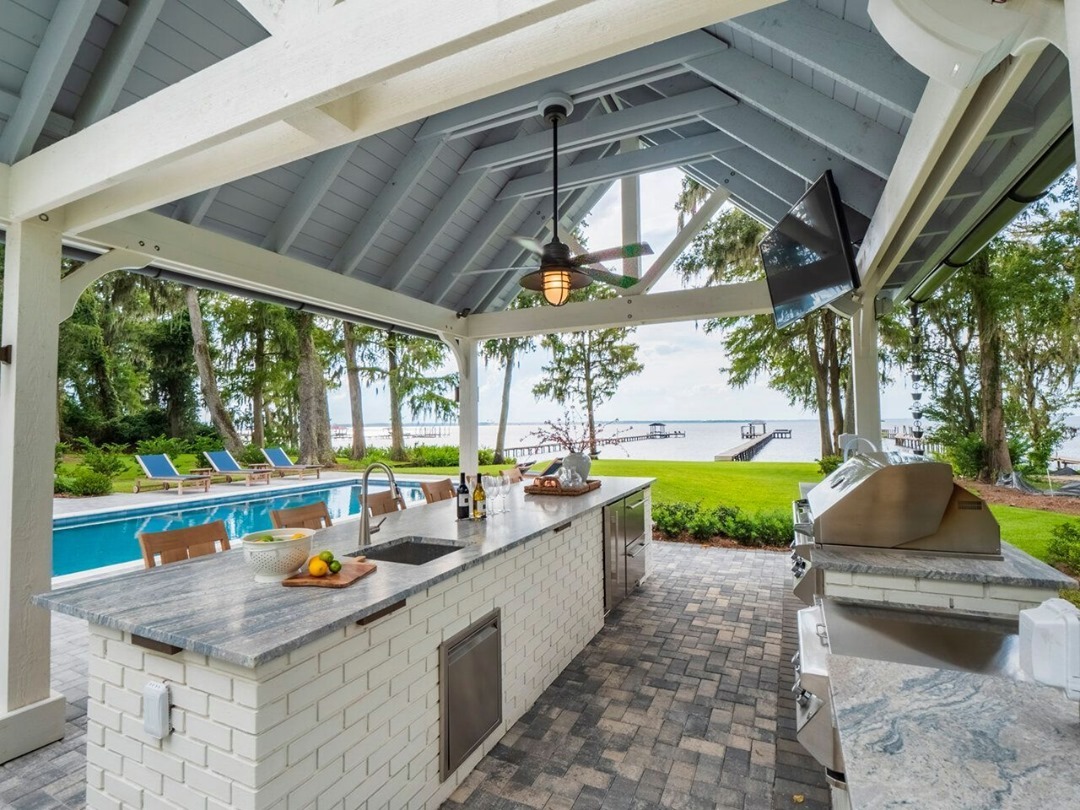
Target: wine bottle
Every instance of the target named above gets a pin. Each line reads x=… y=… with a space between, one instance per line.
x=463 y=500
x=479 y=500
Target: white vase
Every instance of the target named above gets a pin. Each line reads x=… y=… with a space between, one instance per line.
x=579 y=463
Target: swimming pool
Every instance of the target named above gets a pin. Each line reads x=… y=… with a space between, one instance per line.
x=84 y=542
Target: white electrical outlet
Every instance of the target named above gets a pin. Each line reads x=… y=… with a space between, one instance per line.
x=156 y=710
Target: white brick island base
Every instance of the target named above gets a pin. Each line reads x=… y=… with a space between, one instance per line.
x=350 y=720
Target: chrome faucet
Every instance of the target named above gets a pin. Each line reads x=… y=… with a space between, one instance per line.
x=365 y=517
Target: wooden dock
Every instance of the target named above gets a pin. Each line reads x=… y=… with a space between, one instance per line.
x=539 y=449
x=920 y=445
x=751 y=447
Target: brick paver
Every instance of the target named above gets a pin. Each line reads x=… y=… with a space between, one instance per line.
x=682 y=701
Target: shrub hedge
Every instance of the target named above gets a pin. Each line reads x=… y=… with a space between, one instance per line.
x=1064 y=548
x=762 y=528
x=82 y=482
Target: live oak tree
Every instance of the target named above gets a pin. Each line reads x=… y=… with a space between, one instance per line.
x=219 y=414
x=586 y=367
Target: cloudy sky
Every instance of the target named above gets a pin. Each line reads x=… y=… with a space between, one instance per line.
x=682 y=377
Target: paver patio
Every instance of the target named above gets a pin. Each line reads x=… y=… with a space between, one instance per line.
x=682 y=701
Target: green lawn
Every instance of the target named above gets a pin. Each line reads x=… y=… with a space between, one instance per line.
x=752 y=486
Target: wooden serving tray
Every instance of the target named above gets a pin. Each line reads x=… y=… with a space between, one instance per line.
x=538 y=488
x=351 y=570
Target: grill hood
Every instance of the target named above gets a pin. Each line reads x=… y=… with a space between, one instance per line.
x=898 y=500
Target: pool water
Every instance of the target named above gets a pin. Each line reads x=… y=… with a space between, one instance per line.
x=84 y=542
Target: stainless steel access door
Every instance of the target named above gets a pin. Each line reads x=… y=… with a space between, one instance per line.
x=614 y=560
x=471 y=695
x=636 y=541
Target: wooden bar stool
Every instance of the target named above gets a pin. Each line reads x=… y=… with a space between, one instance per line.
x=385 y=503
x=308 y=516
x=176 y=545
x=438 y=490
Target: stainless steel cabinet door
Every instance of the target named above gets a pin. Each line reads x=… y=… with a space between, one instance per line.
x=614 y=563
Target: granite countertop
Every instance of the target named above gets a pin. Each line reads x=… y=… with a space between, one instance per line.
x=1018 y=567
x=213 y=606
x=940 y=739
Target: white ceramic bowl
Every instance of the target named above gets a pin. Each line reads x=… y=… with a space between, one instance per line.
x=280 y=559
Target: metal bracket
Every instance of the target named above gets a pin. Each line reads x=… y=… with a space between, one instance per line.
x=5 y=354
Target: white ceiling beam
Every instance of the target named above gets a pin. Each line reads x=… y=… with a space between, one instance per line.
x=278 y=16
x=57 y=126
x=768 y=207
x=426 y=61
x=486 y=288
x=662 y=114
x=616 y=166
x=663 y=59
x=469 y=250
x=412 y=167
x=700 y=218
x=948 y=127
x=797 y=153
x=844 y=52
x=216 y=258
x=117 y=60
x=52 y=61
x=192 y=209
x=320 y=176
x=843 y=130
x=723 y=301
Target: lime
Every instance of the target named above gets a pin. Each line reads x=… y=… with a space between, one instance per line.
x=335 y=566
x=326 y=556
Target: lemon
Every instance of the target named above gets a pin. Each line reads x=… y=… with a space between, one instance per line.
x=326 y=556
x=297 y=536
x=317 y=567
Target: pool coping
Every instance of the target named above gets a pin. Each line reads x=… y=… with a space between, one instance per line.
x=248 y=493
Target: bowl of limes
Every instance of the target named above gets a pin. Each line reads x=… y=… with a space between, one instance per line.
x=276 y=554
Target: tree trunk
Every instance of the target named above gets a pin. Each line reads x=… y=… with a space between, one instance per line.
x=849 y=404
x=258 y=427
x=219 y=416
x=590 y=400
x=397 y=433
x=996 y=461
x=833 y=363
x=307 y=370
x=356 y=404
x=504 y=412
x=820 y=388
x=323 y=433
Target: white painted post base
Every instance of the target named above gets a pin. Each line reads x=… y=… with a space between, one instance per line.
x=468 y=403
x=27 y=729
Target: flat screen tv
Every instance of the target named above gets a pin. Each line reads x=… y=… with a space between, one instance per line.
x=808 y=258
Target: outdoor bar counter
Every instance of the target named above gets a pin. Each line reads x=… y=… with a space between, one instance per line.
x=284 y=697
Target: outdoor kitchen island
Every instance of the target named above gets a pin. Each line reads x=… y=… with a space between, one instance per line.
x=297 y=697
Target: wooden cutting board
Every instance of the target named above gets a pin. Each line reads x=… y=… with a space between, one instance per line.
x=351 y=570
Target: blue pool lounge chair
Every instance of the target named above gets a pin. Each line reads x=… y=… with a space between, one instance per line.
x=282 y=464
x=223 y=462
x=160 y=470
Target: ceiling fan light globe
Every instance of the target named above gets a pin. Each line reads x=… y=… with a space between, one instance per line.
x=556 y=287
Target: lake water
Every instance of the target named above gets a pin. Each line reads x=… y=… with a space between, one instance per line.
x=702 y=442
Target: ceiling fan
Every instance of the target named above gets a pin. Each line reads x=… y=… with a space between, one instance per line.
x=560 y=271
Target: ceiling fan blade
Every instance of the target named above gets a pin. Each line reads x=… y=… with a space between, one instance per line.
x=624 y=252
x=529 y=244
x=607 y=277
x=494 y=270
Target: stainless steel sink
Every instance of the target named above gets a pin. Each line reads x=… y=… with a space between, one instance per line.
x=412 y=550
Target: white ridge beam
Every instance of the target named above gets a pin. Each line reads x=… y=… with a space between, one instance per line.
x=616 y=166
x=662 y=114
x=844 y=52
x=114 y=67
x=213 y=257
x=303 y=202
x=843 y=130
x=43 y=81
x=663 y=59
x=351 y=254
x=426 y=62
x=723 y=301
x=681 y=242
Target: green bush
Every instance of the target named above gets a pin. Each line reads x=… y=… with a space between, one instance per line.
x=162 y=444
x=1064 y=548
x=829 y=463
x=251 y=454
x=107 y=460
x=432 y=455
x=59 y=451
x=770 y=528
x=966 y=454
x=83 y=482
x=203 y=442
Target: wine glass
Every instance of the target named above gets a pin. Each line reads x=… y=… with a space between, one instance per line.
x=490 y=491
x=504 y=487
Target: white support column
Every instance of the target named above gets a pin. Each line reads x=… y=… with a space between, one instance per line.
x=30 y=714
x=468 y=401
x=1072 y=37
x=865 y=373
x=631 y=211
